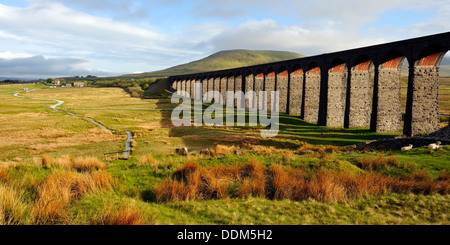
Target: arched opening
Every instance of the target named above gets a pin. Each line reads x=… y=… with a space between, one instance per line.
x=282 y=88
x=359 y=102
x=312 y=93
x=296 y=90
x=336 y=93
x=269 y=87
x=422 y=108
x=387 y=113
x=444 y=90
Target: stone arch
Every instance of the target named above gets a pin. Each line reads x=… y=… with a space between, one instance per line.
x=295 y=90
x=431 y=56
x=312 y=93
x=336 y=93
x=360 y=93
x=282 y=82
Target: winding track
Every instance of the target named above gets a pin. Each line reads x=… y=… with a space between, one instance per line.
x=126 y=153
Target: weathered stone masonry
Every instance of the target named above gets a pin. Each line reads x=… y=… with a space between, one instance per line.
x=354 y=88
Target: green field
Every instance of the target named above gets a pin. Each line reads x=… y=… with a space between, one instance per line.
x=45 y=177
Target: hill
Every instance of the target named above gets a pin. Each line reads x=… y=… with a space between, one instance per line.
x=219 y=61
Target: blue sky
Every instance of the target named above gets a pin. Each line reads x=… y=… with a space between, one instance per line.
x=50 y=38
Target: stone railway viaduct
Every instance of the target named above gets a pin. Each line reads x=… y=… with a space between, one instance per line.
x=353 y=88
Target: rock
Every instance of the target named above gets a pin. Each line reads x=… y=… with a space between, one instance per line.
x=205 y=152
x=182 y=151
x=239 y=152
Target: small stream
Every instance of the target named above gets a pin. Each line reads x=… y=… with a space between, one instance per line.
x=126 y=153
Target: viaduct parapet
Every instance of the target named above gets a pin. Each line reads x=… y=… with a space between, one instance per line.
x=353 y=88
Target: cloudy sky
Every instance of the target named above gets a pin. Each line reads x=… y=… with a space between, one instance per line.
x=50 y=38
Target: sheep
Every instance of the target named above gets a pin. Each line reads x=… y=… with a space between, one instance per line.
x=407 y=148
x=434 y=146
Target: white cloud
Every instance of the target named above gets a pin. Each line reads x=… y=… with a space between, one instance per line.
x=63 y=30
x=51 y=29
x=43 y=67
x=270 y=35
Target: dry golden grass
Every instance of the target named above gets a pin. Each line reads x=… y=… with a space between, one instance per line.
x=50 y=139
x=68 y=162
x=148 y=160
x=223 y=150
x=60 y=188
x=286 y=183
x=193 y=182
x=122 y=215
x=4 y=175
x=12 y=206
x=378 y=162
x=8 y=164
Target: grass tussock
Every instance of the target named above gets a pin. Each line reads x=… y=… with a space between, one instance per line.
x=378 y=162
x=147 y=160
x=122 y=215
x=4 y=175
x=68 y=162
x=13 y=208
x=193 y=182
x=316 y=151
x=224 y=151
x=59 y=189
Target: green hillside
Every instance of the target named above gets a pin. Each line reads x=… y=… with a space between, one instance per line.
x=221 y=60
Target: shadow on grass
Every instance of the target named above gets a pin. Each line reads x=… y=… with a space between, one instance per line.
x=292 y=130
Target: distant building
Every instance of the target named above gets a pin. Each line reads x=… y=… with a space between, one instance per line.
x=68 y=85
x=79 y=84
x=57 y=82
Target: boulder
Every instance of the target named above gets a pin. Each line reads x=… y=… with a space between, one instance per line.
x=182 y=151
